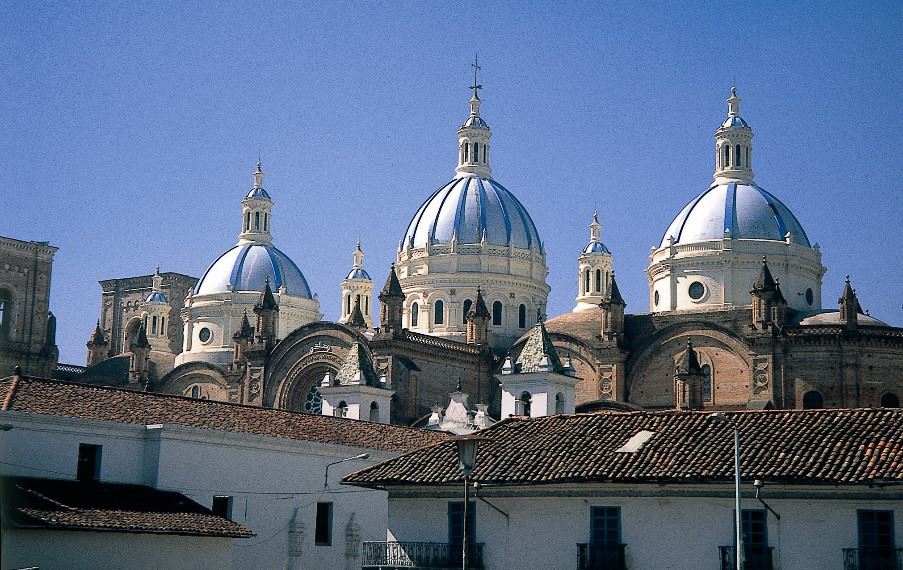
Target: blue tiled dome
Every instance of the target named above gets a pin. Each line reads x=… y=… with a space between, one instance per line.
x=734 y=121
x=747 y=210
x=156 y=297
x=246 y=266
x=258 y=193
x=468 y=206
x=358 y=274
x=595 y=247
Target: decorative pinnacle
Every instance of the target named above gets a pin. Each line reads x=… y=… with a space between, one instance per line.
x=258 y=176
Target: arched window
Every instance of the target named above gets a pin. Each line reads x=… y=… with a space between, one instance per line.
x=476 y=152
x=497 y=313
x=154 y=325
x=812 y=400
x=522 y=405
x=607 y=282
x=247 y=221
x=522 y=316
x=484 y=154
x=366 y=305
x=341 y=410
x=439 y=313
x=374 y=412
x=586 y=282
x=195 y=392
x=890 y=400
x=466 y=152
x=6 y=313
x=726 y=161
x=257 y=221
x=162 y=326
x=747 y=157
x=266 y=222
x=706 y=383
x=598 y=281
x=415 y=315
x=467 y=305
x=559 y=403
x=348 y=304
x=357 y=299
x=737 y=155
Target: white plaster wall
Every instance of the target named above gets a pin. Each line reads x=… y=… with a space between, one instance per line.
x=676 y=532
x=112 y=550
x=270 y=479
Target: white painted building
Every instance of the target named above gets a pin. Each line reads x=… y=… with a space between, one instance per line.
x=268 y=468
x=655 y=490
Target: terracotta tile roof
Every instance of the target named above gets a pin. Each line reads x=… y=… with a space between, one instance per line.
x=41 y=396
x=851 y=446
x=74 y=505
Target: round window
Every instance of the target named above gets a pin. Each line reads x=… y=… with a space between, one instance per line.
x=810 y=297
x=696 y=290
x=656 y=298
x=204 y=335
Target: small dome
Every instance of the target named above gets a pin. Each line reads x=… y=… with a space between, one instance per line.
x=467 y=207
x=156 y=297
x=258 y=193
x=595 y=247
x=245 y=268
x=734 y=121
x=358 y=274
x=743 y=208
x=832 y=317
x=475 y=123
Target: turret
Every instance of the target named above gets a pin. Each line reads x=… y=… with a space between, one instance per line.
x=357 y=287
x=594 y=269
x=688 y=380
x=140 y=348
x=267 y=311
x=849 y=306
x=733 y=145
x=391 y=301
x=769 y=307
x=241 y=339
x=98 y=346
x=612 y=314
x=478 y=322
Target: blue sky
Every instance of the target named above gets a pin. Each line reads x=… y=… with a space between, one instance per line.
x=130 y=130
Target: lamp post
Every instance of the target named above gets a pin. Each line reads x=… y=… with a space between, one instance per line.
x=738 y=514
x=328 y=465
x=467 y=458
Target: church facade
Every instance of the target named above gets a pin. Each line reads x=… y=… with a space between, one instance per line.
x=735 y=313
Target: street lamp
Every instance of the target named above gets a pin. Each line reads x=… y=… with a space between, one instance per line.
x=328 y=465
x=738 y=521
x=467 y=458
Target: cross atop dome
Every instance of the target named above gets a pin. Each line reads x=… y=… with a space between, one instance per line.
x=473 y=136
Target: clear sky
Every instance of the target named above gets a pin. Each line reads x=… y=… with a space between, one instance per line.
x=129 y=130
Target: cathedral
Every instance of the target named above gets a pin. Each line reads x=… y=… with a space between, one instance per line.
x=735 y=317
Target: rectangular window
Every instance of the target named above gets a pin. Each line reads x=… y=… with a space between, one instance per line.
x=222 y=506
x=605 y=525
x=456 y=523
x=323 y=531
x=88 y=468
x=876 y=531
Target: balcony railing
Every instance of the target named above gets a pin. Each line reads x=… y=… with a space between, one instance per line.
x=873 y=559
x=601 y=557
x=754 y=558
x=420 y=555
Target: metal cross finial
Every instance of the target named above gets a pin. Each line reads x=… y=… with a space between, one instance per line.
x=476 y=67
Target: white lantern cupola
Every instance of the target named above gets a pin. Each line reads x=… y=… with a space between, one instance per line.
x=357 y=287
x=155 y=312
x=733 y=145
x=473 y=137
x=256 y=211
x=594 y=269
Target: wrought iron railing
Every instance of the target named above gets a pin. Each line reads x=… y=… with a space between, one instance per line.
x=601 y=557
x=420 y=555
x=873 y=559
x=754 y=557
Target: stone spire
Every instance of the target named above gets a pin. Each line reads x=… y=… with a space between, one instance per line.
x=267 y=310
x=769 y=307
x=98 y=347
x=256 y=212
x=539 y=354
x=612 y=314
x=473 y=137
x=849 y=305
x=391 y=301
x=478 y=322
x=733 y=145
x=356 y=319
x=688 y=380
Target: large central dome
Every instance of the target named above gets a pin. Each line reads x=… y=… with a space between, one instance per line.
x=245 y=267
x=469 y=209
x=472 y=238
